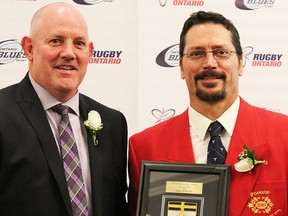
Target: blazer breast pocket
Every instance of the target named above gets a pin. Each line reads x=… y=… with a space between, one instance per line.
x=267 y=198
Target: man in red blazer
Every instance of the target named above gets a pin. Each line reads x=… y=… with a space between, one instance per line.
x=211 y=63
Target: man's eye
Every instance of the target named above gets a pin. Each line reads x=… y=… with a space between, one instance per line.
x=80 y=43
x=196 y=53
x=55 y=41
x=221 y=52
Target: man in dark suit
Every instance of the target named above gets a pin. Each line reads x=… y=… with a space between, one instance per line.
x=32 y=176
x=211 y=63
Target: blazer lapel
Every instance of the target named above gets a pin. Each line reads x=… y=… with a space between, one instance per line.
x=33 y=110
x=245 y=132
x=176 y=137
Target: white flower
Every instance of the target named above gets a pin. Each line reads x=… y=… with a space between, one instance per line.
x=247 y=160
x=93 y=124
x=244 y=165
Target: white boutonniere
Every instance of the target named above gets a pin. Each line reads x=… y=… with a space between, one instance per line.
x=247 y=160
x=93 y=124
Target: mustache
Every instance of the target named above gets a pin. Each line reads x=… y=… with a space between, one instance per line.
x=210 y=74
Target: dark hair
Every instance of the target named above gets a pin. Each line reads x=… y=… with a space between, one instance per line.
x=209 y=17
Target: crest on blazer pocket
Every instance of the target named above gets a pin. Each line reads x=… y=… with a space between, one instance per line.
x=267 y=198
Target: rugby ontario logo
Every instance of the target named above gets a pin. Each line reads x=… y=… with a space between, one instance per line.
x=105 y=57
x=183 y=2
x=11 y=50
x=261 y=59
x=253 y=4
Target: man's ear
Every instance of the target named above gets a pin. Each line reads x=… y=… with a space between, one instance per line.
x=181 y=69
x=26 y=44
x=91 y=48
x=240 y=70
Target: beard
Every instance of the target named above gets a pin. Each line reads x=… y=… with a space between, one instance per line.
x=210 y=97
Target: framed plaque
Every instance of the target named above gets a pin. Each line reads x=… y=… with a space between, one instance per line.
x=180 y=189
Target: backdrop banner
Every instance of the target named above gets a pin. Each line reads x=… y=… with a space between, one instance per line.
x=134 y=67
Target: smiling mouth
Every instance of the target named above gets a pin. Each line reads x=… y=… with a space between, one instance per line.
x=211 y=78
x=62 y=67
x=210 y=75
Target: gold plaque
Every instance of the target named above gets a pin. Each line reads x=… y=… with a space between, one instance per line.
x=184 y=187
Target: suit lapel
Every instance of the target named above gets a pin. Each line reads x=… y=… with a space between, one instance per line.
x=33 y=110
x=96 y=176
x=95 y=157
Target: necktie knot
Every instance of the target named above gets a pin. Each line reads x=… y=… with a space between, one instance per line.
x=215 y=129
x=61 y=109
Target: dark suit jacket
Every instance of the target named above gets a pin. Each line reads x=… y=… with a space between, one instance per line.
x=263 y=191
x=32 y=180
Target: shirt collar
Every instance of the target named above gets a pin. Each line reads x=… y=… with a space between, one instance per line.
x=200 y=123
x=229 y=117
x=49 y=101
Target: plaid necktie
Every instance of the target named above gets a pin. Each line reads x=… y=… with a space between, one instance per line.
x=71 y=163
x=216 y=151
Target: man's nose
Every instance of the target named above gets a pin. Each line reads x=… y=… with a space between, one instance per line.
x=68 y=51
x=210 y=61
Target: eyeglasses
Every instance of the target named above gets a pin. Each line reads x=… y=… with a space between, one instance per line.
x=218 y=54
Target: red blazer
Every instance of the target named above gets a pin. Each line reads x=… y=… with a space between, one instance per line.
x=264 y=191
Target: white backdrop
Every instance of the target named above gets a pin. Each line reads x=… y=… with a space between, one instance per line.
x=149 y=91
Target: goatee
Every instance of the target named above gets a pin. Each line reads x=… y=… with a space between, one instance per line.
x=210 y=97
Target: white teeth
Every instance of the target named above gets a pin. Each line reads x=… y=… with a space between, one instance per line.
x=211 y=77
x=66 y=67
